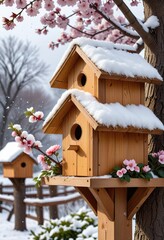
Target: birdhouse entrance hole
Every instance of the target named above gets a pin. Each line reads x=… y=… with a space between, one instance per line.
x=23 y=164
x=82 y=79
x=76 y=132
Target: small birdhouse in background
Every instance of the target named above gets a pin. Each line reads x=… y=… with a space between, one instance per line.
x=102 y=115
x=16 y=163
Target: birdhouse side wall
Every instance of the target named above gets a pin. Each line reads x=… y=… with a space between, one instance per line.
x=8 y=170
x=124 y=92
x=82 y=77
x=77 y=155
x=115 y=147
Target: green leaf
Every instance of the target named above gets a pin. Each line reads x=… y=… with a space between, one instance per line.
x=116 y=168
x=126 y=178
x=161 y=173
x=140 y=165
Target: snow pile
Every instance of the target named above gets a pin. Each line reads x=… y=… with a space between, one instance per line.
x=113 y=58
x=113 y=114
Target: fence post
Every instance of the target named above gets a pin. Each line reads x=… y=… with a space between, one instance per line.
x=53 y=210
x=39 y=210
x=0 y=193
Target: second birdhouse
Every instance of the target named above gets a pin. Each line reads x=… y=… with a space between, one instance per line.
x=101 y=115
x=16 y=163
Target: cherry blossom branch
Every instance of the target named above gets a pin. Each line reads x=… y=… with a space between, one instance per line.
x=122 y=29
x=53 y=160
x=147 y=37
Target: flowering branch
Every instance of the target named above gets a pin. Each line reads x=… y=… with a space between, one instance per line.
x=49 y=160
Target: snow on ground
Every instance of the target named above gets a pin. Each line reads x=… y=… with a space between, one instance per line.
x=7 y=231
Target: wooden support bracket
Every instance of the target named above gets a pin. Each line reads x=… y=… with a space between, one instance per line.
x=88 y=197
x=136 y=201
x=104 y=200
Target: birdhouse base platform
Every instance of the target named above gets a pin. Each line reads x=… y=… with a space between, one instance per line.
x=114 y=201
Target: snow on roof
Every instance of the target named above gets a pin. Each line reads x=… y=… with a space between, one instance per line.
x=113 y=114
x=113 y=58
x=10 y=152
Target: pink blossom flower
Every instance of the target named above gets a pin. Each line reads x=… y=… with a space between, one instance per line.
x=31 y=11
x=62 y=21
x=21 y=3
x=24 y=134
x=37 y=116
x=18 y=139
x=27 y=150
x=62 y=2
x=38 y=144
x=37 y=4
x=161 y=159
x=134 y=3
x=8 y=3
x=30 y=140
x=124 y=170
x=83 y=5
x=41 y=160
x=70 y=2
x=154 y=155
x=38 y=31
x=45 y=31
x=126 y=162
x=49 y=5
x=121 y=172
x=130 y=164
x=17 y=127
x=14 y=134
x=20 y=18
x=136 y=169
x=160 y=152
x=51 y=150
x=146 y=168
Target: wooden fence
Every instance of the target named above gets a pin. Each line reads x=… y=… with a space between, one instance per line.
x=37 y=199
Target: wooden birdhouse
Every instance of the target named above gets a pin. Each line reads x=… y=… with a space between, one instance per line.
x=16 y=163
x=102 y=115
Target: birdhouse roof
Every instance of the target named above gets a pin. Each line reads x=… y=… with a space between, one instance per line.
x=104 y=117
x=11 y=152
x=107 y=60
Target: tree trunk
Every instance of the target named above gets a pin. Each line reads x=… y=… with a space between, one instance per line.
x=150 y=218
x=19 y=205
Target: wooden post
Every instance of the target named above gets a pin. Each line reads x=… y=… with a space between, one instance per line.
x=105 y=226
x=19 y=205
x=39 y=210
x=53 y=210
x=121 y=227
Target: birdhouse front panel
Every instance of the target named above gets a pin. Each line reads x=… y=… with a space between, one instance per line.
x=122 y=91
x=82 y=77
x=76 y=145
x=114 y=147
